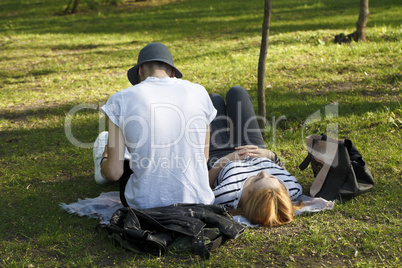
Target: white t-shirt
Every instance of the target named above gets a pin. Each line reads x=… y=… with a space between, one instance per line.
x=230 y=181
x=164 y=125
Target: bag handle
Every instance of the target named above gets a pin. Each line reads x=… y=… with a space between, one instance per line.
x=305 y=162
x=308 y=158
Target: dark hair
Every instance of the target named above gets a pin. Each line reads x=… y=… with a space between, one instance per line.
x=157 y=64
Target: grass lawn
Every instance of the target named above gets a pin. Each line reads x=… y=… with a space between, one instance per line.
x=52 y=64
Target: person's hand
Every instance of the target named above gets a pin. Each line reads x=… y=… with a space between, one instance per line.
x=105 y=152
x=253 y=151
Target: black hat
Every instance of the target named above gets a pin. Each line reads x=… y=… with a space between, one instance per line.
x=152 y=52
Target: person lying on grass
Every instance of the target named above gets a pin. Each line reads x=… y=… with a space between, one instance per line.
x=247 y=179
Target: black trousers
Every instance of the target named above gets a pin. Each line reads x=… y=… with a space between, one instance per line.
x=234 y=125
x=123 y=181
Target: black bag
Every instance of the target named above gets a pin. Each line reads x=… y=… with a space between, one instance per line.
x=339 y=169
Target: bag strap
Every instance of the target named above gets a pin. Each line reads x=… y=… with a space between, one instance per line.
x=216 y=239
x=305 y=162
x=354 y=154
x=199 y=246
x=308 y=158
x=323 y=150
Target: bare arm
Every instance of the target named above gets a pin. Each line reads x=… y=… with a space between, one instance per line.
x=207 y=139
x=214 y=171
x=254 y=151
x=113 y=166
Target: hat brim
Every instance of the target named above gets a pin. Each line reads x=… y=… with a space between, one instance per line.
x=132 y=73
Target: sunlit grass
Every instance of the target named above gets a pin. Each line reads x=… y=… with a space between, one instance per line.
x=50 y=64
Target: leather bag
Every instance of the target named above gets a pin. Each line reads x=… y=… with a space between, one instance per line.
x=339 y=169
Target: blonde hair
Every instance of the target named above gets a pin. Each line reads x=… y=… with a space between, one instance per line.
x=268 y=207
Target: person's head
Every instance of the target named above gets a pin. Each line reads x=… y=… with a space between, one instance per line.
x=267 y=201
x=158 y=55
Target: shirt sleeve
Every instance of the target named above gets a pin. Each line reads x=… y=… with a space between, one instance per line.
x=210 y=109
x=112 y=108
x=213 y=112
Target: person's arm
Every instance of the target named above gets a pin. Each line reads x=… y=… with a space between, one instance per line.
x=240 y=153
x=214 y=171
x=112 y=166
x=256 y=152
x=207 y=140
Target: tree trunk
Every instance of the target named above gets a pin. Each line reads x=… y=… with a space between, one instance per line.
x=75 y=6
x=261 y=65
x=362 y=21
x=74 y=9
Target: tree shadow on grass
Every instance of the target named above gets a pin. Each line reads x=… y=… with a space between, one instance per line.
x=214 y=19
x=30 y=206
x=299 y=106
x=52 y=138
x=296 y=107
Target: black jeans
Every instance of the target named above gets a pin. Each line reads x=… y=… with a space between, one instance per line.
x=234 y=125
x=123 y=181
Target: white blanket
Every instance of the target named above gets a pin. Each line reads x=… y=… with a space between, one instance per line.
x=103 y=207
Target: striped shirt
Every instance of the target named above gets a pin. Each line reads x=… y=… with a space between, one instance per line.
x=230 y=181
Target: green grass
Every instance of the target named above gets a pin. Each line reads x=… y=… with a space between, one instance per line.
x=51 y=63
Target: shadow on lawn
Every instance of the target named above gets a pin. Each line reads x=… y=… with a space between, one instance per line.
x=42 y=139
x=208 y=18
x=32 y=141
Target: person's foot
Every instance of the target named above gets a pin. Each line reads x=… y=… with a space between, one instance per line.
x=99 y=148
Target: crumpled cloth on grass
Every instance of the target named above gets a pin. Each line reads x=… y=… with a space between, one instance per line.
x=103 y=207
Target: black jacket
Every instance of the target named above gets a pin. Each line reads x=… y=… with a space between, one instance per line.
x=153 y=230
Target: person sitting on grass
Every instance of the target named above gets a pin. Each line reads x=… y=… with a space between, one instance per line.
x=163 y=124
x=246 y=178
